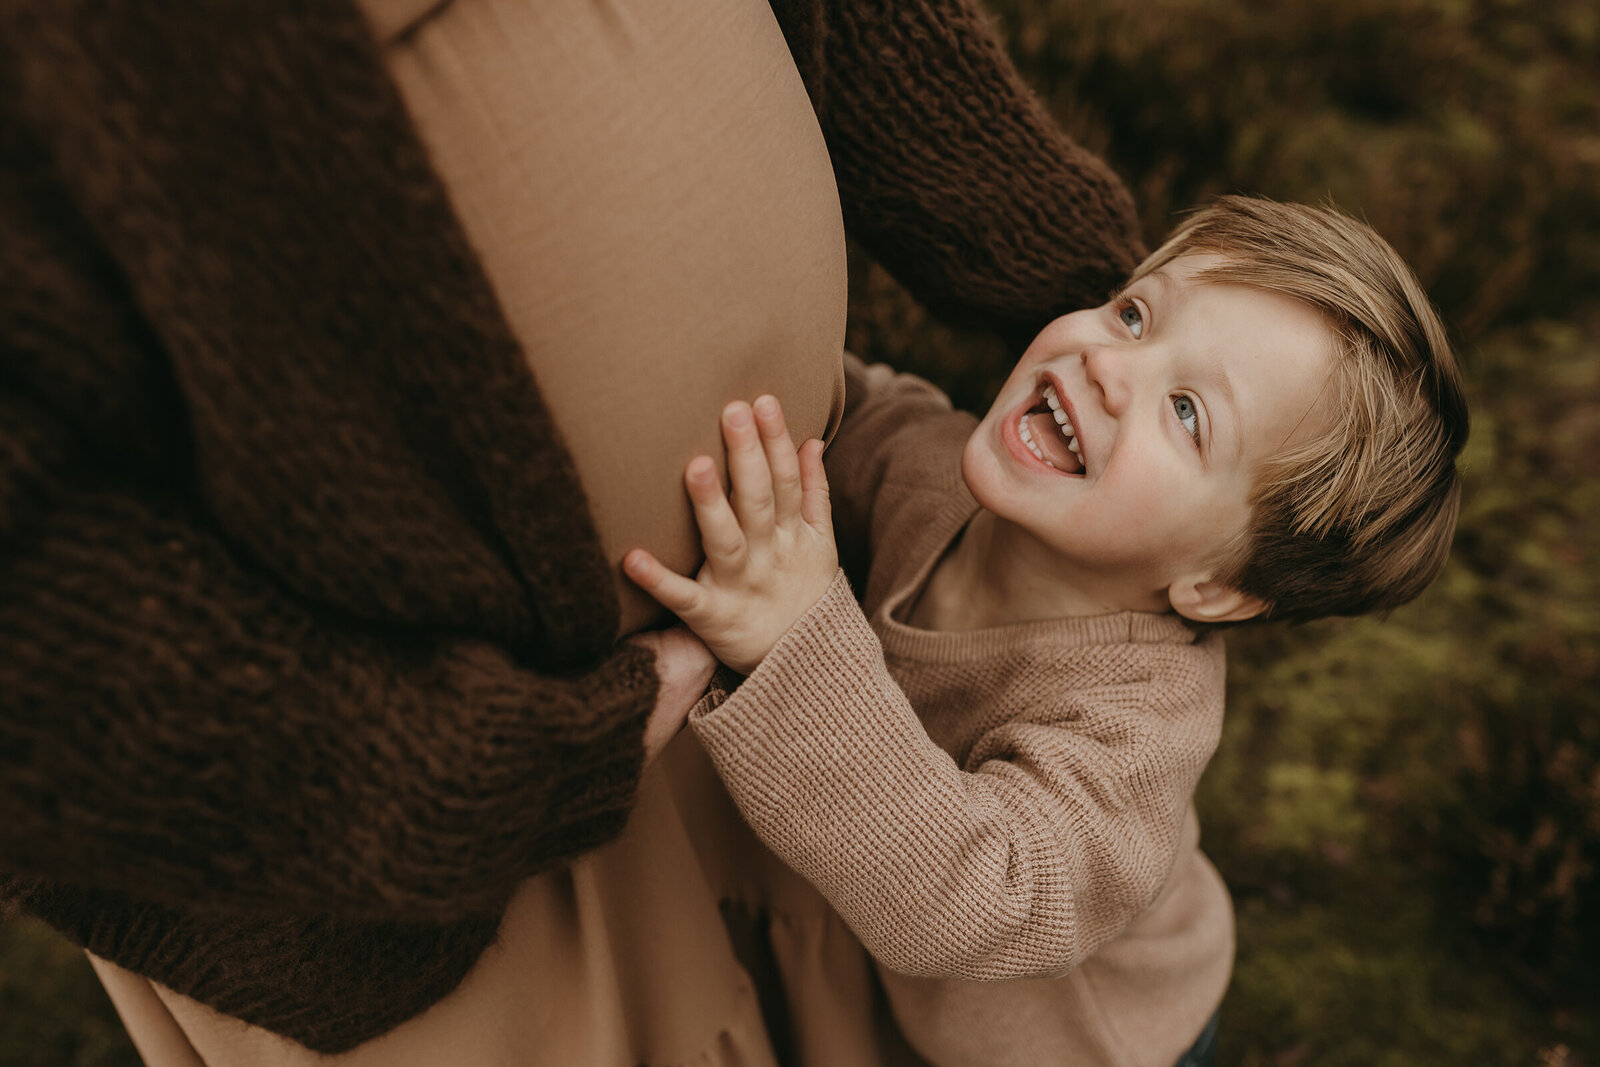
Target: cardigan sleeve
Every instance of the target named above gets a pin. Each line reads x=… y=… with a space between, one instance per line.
x=176 y=725
x=1060 y=829
x=297 y=609
x=951 y=172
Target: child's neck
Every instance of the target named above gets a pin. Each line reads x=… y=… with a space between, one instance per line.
x=981 y=582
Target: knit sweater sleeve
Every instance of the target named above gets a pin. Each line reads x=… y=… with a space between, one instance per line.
x=1060 y=828
x=175 y=725
x=950 y=171
x=298 y=595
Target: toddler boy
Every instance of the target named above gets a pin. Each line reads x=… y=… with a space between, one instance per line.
x=987 y=767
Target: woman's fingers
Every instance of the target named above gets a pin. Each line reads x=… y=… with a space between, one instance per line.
x=720 y=534
x=781 y=459
x=748 y=472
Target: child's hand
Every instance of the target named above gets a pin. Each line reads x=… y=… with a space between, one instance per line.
x=769 y=556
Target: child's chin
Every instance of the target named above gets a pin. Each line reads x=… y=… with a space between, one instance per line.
x=976 y=455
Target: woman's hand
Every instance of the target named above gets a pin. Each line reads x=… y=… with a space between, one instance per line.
x=683 y=670
x=769 y=552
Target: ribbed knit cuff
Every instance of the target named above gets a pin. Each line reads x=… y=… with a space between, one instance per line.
x=818 y=652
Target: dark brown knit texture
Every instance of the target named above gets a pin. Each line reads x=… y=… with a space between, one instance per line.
x=289 y=552
x=305 y=637
x=951 y=173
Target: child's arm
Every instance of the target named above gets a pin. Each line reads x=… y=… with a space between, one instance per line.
x=1056 y=833
x=1020 y=868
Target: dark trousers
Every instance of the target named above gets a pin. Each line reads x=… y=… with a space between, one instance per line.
x=1204 y=1051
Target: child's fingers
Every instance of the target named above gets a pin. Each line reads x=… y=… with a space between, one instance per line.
x=679 y=595
x=815 y=507
x=781 y=458
x=747 y=470
x=720 y=534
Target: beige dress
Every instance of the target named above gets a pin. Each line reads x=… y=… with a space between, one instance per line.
x=653 y=202
x=621 y=960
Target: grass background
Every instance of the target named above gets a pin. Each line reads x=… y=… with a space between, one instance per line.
x=1407 y=810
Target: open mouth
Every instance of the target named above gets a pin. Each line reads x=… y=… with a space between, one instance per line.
x=1048 y=433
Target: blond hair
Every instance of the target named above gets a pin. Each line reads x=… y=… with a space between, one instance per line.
x=1360 y=518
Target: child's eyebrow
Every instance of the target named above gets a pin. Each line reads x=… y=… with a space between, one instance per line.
x=1223 y=385
x=1169 y=287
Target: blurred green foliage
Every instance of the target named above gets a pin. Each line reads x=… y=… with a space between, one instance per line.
x=1406 y=809
x=53 y=1012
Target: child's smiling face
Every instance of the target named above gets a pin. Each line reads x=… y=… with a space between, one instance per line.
x=1176 y=393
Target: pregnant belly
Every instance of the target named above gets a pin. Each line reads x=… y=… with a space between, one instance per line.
x=652 y=200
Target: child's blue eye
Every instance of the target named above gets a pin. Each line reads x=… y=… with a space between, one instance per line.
x=1188 y=415
x=1132 y=318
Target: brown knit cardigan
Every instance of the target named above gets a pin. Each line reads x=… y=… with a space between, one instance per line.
x=306 y=643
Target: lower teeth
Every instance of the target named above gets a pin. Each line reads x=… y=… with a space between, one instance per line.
x=1027 y=439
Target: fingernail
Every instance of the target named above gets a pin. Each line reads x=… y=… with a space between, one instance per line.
x=766 y=406
x=700 y=468
x=738 y=416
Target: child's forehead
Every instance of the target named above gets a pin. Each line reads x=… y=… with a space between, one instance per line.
x=1185 y=271
x=1211 y=278
x=1169 y=260
x=1270 y=358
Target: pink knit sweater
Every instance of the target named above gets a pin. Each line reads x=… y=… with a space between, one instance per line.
x=1009 y=803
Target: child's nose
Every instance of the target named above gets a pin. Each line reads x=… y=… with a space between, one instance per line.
x=1108 y=371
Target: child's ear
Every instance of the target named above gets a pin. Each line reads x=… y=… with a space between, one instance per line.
x=1206 y=601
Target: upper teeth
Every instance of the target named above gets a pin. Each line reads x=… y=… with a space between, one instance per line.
x=1061 y=420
